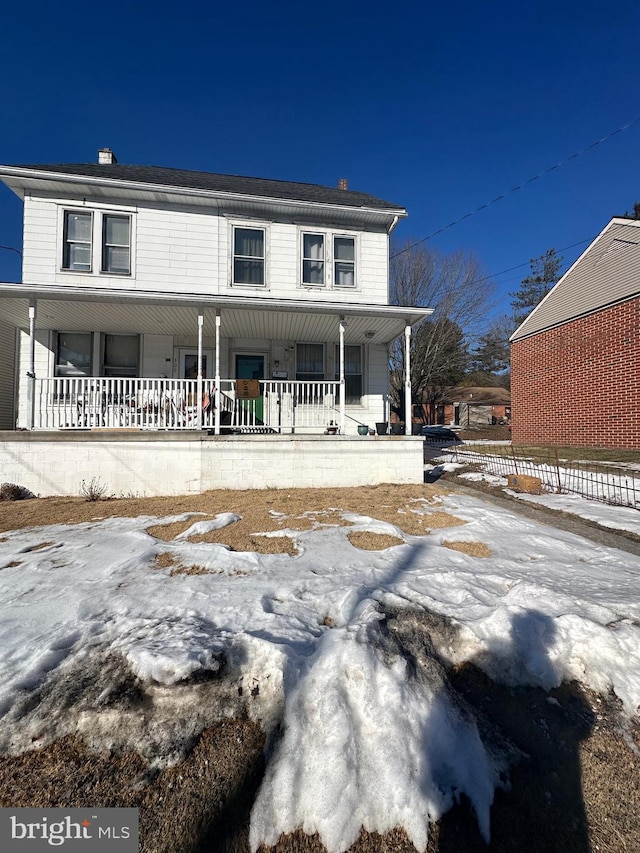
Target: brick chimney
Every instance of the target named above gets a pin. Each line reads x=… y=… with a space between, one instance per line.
x=343 y=184
x=106 y=157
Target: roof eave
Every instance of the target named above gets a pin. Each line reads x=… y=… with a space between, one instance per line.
x=39 y=174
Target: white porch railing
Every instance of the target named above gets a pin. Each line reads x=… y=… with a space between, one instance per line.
x=173 y=404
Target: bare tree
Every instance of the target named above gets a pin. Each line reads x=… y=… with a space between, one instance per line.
x=459 y=290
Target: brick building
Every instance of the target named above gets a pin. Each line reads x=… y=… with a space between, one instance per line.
x=575 y=360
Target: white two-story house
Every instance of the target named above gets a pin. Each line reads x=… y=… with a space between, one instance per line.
x=163 y=300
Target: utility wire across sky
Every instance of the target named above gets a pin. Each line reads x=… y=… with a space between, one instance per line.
x=519 y=187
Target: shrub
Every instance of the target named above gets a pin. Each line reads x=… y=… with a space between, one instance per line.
x=13 y=492
x=94 y=490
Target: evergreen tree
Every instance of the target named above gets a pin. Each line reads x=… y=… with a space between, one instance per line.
x=545 y=271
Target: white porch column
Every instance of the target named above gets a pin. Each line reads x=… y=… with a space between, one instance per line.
x=407 y=380
x=216 y=413
x=31 y=373
x=199 y=392
x=343 y=386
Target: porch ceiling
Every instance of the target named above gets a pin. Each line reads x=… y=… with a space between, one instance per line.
x=241 y=317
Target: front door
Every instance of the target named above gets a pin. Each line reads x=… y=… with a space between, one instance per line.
x=252 y=367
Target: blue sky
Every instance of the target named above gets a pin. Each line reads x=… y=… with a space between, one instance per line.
x=439 y=107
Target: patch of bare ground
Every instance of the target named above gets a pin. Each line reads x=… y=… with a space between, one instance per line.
x=574 y=788
x=201 y=804
x=373 y=541
x=472 y=549
x=267 y=511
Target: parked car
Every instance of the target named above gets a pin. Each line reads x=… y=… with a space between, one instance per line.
x=437 y=432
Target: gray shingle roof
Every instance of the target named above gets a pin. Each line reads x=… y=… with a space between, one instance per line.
x=210 y=182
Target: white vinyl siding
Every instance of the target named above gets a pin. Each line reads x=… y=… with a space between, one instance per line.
x=186 y=250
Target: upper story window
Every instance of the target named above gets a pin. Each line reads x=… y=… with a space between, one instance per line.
x=344 y=261
x=313 y=261
x=97 y=241
x=248 y=256
x=77 y=241
x=116 y=244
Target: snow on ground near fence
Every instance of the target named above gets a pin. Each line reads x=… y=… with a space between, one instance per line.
x=619 y=487
x=367 y=741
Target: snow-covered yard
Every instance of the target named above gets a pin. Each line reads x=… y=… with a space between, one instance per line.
x=360 y=733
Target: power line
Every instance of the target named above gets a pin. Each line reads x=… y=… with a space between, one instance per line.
x=12 y=249
x=520 y=186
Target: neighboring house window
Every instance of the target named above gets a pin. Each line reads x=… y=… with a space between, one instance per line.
x=116 y=244
x=76 y=250
x=248 y=256
x=313 y=263
x=344 y=261
x=352 y=372
x=121 y=355
x=73 y=354
x=309 y=362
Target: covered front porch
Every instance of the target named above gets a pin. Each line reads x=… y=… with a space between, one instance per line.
x=229 y=364
x=228 y=406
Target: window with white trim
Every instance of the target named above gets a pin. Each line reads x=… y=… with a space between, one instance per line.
x=77 y=241
x=352 y=371
x=73 y=354
x=309 y=362
x=313 y=260
x=120 y=355
x=249 y=256
x=116 y=244
x=344 y=261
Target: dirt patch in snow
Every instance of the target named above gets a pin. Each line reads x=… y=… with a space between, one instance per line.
x=472 y=549
x=373 y=541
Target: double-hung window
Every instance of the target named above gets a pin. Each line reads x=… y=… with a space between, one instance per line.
x=309 y=362
x=313 y=260
x=96 y=241
x=73 y=354
x=77 y=241
x=352 y=372
x=344 y=261
x=248 y=256
x=116 y=244
x=120 y=356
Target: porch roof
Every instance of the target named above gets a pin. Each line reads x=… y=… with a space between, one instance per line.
x=176 y=314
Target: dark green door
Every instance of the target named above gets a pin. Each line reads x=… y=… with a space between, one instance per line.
x=252 y=367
